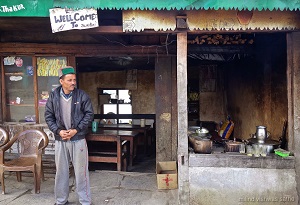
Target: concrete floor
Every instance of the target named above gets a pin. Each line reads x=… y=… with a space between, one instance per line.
x=107 y=187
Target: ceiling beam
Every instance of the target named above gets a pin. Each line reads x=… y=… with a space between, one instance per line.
x=81 y=50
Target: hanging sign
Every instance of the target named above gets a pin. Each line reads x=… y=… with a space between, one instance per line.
x=66 y=19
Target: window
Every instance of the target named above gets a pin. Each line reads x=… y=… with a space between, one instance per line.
x=19 y=103
x=117 y=101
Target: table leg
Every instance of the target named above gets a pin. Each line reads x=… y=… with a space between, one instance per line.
x=131 y=151
x=145 y=143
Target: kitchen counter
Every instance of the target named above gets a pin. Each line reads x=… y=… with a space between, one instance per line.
x=237 y=160
x=246 y=179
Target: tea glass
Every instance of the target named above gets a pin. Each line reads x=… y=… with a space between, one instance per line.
x=249 y=150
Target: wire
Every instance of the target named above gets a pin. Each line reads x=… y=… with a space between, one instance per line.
x=143 y=46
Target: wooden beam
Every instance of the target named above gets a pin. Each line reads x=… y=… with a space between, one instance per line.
x=183 y=155
x=81 y=50
x=104 y=29
x=293 y=90
x=35 y=90
x=124 y=116
x=163 y=108
x=3 y=96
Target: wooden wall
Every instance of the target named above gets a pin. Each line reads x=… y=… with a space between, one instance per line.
x=257 y=89
x=253 y=91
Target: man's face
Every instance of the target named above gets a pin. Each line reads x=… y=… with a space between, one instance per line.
x=68 y=83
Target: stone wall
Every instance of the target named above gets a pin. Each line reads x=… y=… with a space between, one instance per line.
x=221 y=185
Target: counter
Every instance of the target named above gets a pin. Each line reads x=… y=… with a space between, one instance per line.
x=238 y=160
x=234 y=178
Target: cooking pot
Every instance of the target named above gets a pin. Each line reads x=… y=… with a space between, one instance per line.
x=202 y=132
x=269 y=144
x=192 y=129
x=201 y=145
x=233 y=146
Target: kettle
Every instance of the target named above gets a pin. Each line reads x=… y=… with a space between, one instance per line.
x=261 y=134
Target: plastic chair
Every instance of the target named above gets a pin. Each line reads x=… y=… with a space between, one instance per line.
x=4 y=138
x=31 y=143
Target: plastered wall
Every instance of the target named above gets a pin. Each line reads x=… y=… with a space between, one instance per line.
x=143 y=98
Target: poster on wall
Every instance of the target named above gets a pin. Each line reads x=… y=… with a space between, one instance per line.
x=67 y=19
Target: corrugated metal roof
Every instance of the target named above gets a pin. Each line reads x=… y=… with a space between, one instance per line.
x=211 y=20
x=182 y=4
x=40 y=8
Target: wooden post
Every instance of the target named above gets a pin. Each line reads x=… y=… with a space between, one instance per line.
x=293 y=90
x=183 y=165
x=3 y=98
x=163 y=102
x=35 y=90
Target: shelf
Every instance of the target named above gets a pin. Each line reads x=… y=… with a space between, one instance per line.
x=11 y=74
x=21 y=105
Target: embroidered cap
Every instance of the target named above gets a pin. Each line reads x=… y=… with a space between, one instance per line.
x=66 y=70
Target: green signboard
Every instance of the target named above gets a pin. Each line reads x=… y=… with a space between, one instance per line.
x=25 y=8
x=40 y=8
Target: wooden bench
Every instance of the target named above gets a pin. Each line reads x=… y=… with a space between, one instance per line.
x=112 y=150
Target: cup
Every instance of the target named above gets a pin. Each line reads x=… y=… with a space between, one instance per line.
x=256 y=150
x=263 y=151
x=95 y=126
x=242 y=148
x=249 y=150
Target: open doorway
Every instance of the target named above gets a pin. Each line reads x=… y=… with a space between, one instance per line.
x=123 y=85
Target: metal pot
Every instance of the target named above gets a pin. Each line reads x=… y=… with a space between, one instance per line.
x=269 y=146
x=233 y=146
x=261 y=134
x=202 y=132
x=202 y=145
x=272 y=144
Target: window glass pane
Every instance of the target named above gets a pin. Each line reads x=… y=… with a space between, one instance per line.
x=18 y=72
x=113 y=93
x=47 y=72
x=119 y=103
x=110 y=109
x=123 y=95
x=125 y=109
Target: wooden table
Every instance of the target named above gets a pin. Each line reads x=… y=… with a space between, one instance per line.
x=130 y=136
x=129 y=127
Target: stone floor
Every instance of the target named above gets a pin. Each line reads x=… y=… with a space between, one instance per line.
x=137 y=186
x=107 y=187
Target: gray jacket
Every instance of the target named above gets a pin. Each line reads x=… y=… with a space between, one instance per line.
x=81 y=113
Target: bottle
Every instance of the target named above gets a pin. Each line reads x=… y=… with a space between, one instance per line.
x=142 y=122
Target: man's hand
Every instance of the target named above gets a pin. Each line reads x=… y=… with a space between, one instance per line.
x=67 y=134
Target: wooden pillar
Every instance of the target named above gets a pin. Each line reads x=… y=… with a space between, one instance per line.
x=3 y=97
x=183 y=166
x=166 y=136
x=293 y=90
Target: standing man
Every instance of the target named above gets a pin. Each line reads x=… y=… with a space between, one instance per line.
x=68 y=114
